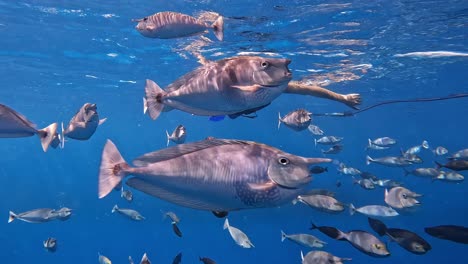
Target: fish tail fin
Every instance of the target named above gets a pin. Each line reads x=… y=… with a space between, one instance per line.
x=407 y=172
x=47 y=135
x=115 y=208
x=11 y=217
x=283 y=236
x=302 y=256
x=333 y=232
x=425 y=144
x=368 y=160
x=62 y=137
x=438 y=165
x=355 y=181
x=313 y=226
x=352 y=209
x=279 y=120
x=218 y=28
x=112 y=170
x=378 y=226
x=226 y=224
x=153 y=96
x=369 y=144
x=121 y=191
x=346 y=259
x=168 y=138
x=315 y=141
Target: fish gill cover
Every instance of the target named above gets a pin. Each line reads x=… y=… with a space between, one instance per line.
x=58 y=56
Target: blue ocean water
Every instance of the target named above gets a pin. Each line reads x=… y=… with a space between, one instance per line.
x=57 y=55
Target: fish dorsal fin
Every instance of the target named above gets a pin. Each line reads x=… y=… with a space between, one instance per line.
x=183 y=149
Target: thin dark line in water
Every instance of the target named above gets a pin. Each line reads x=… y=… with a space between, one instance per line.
x=415 y=100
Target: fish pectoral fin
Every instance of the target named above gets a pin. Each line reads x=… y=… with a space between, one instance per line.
x=170 y=196
x=248 y=88
x=262 y=186
x=101 y=121
x=150 y=27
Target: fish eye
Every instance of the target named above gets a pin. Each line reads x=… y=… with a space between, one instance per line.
x=145 y=19
x=377 y=246
x=283 y=161
x=265 y=64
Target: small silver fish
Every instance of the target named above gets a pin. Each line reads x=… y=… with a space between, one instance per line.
x=417 y=149
x=178 y=135
x=174 y=218
x=126 y=194
x=449 y=176
x=15 y=125
x=342 y=168
x=324 y=203
x=389 y=161
x=440 y=151
x=297 y=120
x=166 y=25
x=364 y=183
x=321 y=257
x=400 y=197
x=413 y=158
x=128 y=212
x=424 y=172
x=103 y=259
x=373 y=210
x=335 y=149
x=370 y=145
x=387 y=183
x=63 y=213
x=34 y=216
x=50 y=244
x=303 y=240
x=84 y=123
x=239 y=237
x=328 y=140
x=315 y=130
x=383 y=141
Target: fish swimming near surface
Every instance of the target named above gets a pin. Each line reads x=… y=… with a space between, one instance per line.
x=219 y=175
x=458 y=234
x=238 y=236
x=128 y=212
x=361 y=240
x=167 y=25
x=83 y=124
x=321 y=257
x=50 y=244
x=406 y=239
x=178 y=135
x=15 y=125
x=297 y=120
x=225 y=87
x=303 y=240
x=456 y=165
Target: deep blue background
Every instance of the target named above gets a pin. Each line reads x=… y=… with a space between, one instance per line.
x=57 y=55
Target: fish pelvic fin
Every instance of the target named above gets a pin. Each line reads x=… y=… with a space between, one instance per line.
x=12 y=217
x=218 y=28
x=47 y=135
x=153 y=99
x=283 y=236
x=112 y=170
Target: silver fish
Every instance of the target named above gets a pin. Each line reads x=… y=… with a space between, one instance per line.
x=449 y=176
x=335 y=149
x=174 y=218
x=128 y=212
x=400 y=197
x=178 y=135
x=303 y=240
x=315 y=130
x=413 y=158
x=440 y=151
x=15 y=125
x=126 y=194
x=460 y=155
x=63 y=213
x=321 y=257
x=223 y=87
x=50 y=244
x=370 y=145
x=297 y=120
x=145 y=259
x=389 y=161
x=383 y=141
x=424 y=172
x=373 y=210
x=417 y=149
x=166 y=25
x=364 y=183
x=103 y=259
x=195 y=174
x=387 y=183
x=321 y=202
x=342 y=168
x=239 y=237
x=84 y=123
x=328 y=140
x=35 y=216
x=361 y=240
